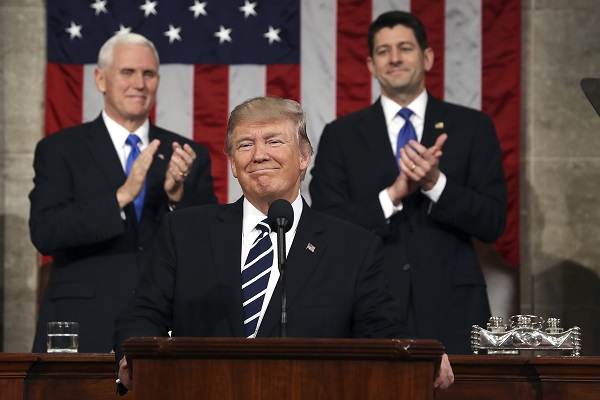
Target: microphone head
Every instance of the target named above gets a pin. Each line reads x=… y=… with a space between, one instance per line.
x=281 y=214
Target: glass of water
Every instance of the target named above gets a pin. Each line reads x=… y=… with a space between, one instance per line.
x=63 y=337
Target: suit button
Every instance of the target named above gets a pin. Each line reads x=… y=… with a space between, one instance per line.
x=406 y=267
x=140 y=249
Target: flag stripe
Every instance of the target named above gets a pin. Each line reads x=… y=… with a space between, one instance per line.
x=501 y=98
x=432 y=15
x=353 y=83
x=64 y=96
x=211 y=88
x=463 y=65
x=176 y=85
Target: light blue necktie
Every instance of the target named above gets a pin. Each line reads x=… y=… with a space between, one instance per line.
x=255 y=277
x=407 y=133
x=138 y=203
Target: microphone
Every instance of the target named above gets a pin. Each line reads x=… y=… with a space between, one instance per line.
x=281 y=219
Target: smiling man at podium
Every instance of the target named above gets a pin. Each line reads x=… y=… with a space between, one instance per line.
x=214 y=270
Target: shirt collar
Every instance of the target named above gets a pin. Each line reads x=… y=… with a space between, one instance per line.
x=119 y=134
x=417 y=106
x=252 y=216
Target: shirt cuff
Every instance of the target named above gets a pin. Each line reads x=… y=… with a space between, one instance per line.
x=435 y=192
x=389 y=209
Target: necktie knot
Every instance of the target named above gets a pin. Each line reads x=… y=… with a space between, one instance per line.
x=263 y=226
x=405 y=113
x=133 y=140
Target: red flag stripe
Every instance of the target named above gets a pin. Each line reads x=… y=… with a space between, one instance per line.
x=211 y=87
x=501 y=99
x=353 y=80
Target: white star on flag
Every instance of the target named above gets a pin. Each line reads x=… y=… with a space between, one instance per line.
x=273 y=35
x=149 y=7
x=123 y=29
x=248 y=9
x=198 y=8
x=223 y=34
x=173 y=33
x=99 y=6
x=75 y=31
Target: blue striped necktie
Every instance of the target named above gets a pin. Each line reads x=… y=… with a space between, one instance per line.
x=407 y=133
x=255 y=277
x=132 y=141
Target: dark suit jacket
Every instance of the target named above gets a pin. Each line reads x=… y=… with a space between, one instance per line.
x=427 y=246
x=194 y=284
x=98 y=257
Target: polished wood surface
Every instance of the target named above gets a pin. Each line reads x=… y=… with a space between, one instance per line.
x=523 y=378
x=295 y=369
x=57 y=376
x=92 y=376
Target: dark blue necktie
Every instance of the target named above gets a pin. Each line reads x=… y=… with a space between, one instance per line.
x=255 y=277
x=132 y=141
x=407 y=133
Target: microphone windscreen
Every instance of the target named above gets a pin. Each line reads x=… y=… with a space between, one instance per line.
x=281 y=214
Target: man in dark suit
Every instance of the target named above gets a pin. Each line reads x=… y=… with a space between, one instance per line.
x=83 y=211
x=446 y=187
x=335 y=285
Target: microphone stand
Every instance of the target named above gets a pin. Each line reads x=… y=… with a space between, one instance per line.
x=281 y=257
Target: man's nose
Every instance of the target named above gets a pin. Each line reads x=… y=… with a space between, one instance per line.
x=261 y=152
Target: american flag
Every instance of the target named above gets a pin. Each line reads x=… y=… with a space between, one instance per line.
x=217 y=53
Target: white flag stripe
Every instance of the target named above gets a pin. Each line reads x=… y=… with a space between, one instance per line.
x=462 y=65
x=318 y=69
x=93 y=100
x=176 y=111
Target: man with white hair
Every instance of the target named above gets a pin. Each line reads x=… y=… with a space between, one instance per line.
x=101 y=190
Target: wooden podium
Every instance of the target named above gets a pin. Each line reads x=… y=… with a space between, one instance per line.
x=291 y=369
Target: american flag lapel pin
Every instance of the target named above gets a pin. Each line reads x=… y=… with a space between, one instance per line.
x=439 y=125
x=161 y=156
x=310 y=247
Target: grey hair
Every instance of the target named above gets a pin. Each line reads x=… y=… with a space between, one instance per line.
x=105 y=54
x=266 y=109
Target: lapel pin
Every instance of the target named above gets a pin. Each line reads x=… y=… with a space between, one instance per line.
x=439 y=125
x=161 y=156
x=310 y=247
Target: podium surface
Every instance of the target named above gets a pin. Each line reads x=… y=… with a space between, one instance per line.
x=294 y=369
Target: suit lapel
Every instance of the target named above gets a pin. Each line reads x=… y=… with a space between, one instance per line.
x=434 y=121
x=374 y=132
x=226 y=238
x=303 y=258
x=103 y=152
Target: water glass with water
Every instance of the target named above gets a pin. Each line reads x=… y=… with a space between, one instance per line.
x=63 y=337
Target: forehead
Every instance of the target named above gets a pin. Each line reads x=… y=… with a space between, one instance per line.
x=394 y=35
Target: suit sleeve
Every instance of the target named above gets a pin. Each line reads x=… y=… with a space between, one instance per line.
x=58 y=218
x=377 y=314
x=198 y=186
x=331 y=185
x=149 y=313
x=476 y=203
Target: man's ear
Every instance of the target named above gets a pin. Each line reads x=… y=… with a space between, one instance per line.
x=232 y=166
x=428 y=58
x=100 y=80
